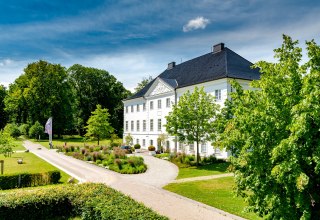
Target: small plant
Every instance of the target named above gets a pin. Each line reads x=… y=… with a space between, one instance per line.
x=118 y=162
x=151 y=148
x=137 y=146
x=119 y=153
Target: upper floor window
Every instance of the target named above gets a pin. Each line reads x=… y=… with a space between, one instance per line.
x=151 y=105
x=144 y=106
x=127 y=109
x=131 y=108
x=151 y=124
x=159 y=104
x=144 y=125
x=138 y=108
x=168 y=102
x=218 y=94
x=138 y=125
x=132 y=125
x=159 y=124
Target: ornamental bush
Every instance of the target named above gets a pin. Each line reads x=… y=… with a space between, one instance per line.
x=137 y=146
x=151 y=148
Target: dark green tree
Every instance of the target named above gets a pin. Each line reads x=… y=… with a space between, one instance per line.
x=143 y=83
x=92 y=87
x=41 y=92
x=275 y=136
x=98 y=124
x=191 y=120
x=36 y=130
x=3 y=115
x=12 y=129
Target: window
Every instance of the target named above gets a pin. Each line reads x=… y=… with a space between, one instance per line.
x=144 y=125
x=151 y=105
x=138 y=125
x=127 y=109
x=203 y=147
x=191 y=147
x=138 y=108
x=180 y=146
x=144 y=107
x=159 y=124
x=132 y=125
x=137 y=141
x=168 y=144
x=218 y=94
x=151 y=124
x=159 y=104
x=168 y=102
x=131 y=108
x=143 y=142
x=151 y=142
x=127 y=125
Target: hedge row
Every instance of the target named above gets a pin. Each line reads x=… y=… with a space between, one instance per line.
x=88 y=201
x=11 y=181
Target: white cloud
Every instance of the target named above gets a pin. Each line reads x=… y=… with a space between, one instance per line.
x=197 y=23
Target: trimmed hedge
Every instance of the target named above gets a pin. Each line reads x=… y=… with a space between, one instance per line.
x=88 y=201
x=11 y=181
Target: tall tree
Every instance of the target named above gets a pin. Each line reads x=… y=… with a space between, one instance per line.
x=3 y=115
x=275 y=134
x=98 y=124
x=93 y=86
x=143 y=83
x=41 y=92
x=191 y=120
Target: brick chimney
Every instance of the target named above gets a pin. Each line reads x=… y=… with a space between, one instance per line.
x=218 y=47
x=171 y=65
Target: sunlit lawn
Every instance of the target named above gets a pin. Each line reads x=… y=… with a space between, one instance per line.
x=216 y=192
x=18 y=144
x=73 y=140
x=206 y=170
x=31 y=164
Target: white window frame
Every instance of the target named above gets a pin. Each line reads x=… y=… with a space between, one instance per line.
x=151 y=105
x=168 y=103
x=144 y=125
x=132 y=125
x=138 y=108
x=151 y=124
x=138 y=125
x=159 y=124
x=217 y=94
x=127 y=125
x=159 y=103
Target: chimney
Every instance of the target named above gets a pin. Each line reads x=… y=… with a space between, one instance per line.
x=171 y=65
x=218 y=47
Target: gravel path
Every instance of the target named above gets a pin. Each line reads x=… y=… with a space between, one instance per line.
x=145 y=188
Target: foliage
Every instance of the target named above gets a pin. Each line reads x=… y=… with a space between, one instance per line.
x=145 y=81
x=98 y=123
x=128 y=139
x=91 y=87
x=274 y=136
x=191 y=120
x=89 y=200
x=3 y=114
x=12 y=129
x=18 y=180
x=36 y=130
x=6 y=144
x=42 y=91
x=151 y=148
x=137 y=146
x=24 y=129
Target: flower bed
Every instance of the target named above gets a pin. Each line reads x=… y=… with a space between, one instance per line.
x=114 y=159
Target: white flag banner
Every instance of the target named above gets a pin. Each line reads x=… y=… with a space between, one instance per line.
x=48 y=127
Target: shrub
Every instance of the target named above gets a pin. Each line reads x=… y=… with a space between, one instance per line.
x=119 y=153
x=24 y=129
x=114 y=144
x=12 y=129
x=118 y=162
x=83 y=151
x=11 y=181
x=89 y=200
x=77 y=155
x=151 y=148
x=137 y=146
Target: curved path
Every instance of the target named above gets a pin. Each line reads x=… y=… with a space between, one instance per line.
x=145 y=188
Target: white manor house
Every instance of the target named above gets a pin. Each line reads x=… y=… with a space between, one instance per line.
x=145 y=111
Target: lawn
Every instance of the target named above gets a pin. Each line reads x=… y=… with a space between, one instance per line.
x=31 y=164
x=19 y=146
x=73 y=140
x=216 y=192
x=206 y=170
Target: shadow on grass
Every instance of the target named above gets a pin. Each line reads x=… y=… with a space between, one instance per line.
x=220 y=167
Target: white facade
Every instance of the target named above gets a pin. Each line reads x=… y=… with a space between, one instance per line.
x=144 y=117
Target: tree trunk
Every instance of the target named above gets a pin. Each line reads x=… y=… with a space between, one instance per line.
x=198 y=155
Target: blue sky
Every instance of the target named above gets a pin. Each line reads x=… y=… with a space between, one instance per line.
x=134 y=39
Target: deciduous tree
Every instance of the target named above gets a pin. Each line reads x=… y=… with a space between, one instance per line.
x=3 y=115
x=275 y=136
x=191 y=120
x=143 y=83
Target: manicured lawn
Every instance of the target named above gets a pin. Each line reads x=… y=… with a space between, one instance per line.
x=19 y=146
x=216 y=192
x=73 y=140
x=31 y=164
x=206 y=170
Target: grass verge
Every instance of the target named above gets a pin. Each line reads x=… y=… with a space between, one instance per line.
x=216 y=193
x=18 y=144
x=205 y=170
x=31 y=164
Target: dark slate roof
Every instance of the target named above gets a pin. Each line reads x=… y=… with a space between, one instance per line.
x=211 y=66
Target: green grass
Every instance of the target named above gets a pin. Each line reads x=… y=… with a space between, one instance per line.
x=206 y=170
x=73 y=140
x=19 y=144
x=31 y=164
x=216 y=192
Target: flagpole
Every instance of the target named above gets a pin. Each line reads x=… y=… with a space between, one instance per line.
x=48 y=130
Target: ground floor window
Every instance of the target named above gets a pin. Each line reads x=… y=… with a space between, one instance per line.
x=151 y=142
x=191 y=147
x=143 y=142
x=137 y=141
x=203 y=148
x=180 y=146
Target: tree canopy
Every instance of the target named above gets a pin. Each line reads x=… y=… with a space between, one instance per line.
x=275 y=135
x=143 y=83
x=3 y=115
x=191 y=119
x=98 y=124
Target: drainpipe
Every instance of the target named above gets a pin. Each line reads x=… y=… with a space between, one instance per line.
x=176 y=138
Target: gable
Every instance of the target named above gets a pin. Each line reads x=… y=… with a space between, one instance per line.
x=159 y=87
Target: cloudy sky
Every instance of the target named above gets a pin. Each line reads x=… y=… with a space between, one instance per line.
x=133 y=39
